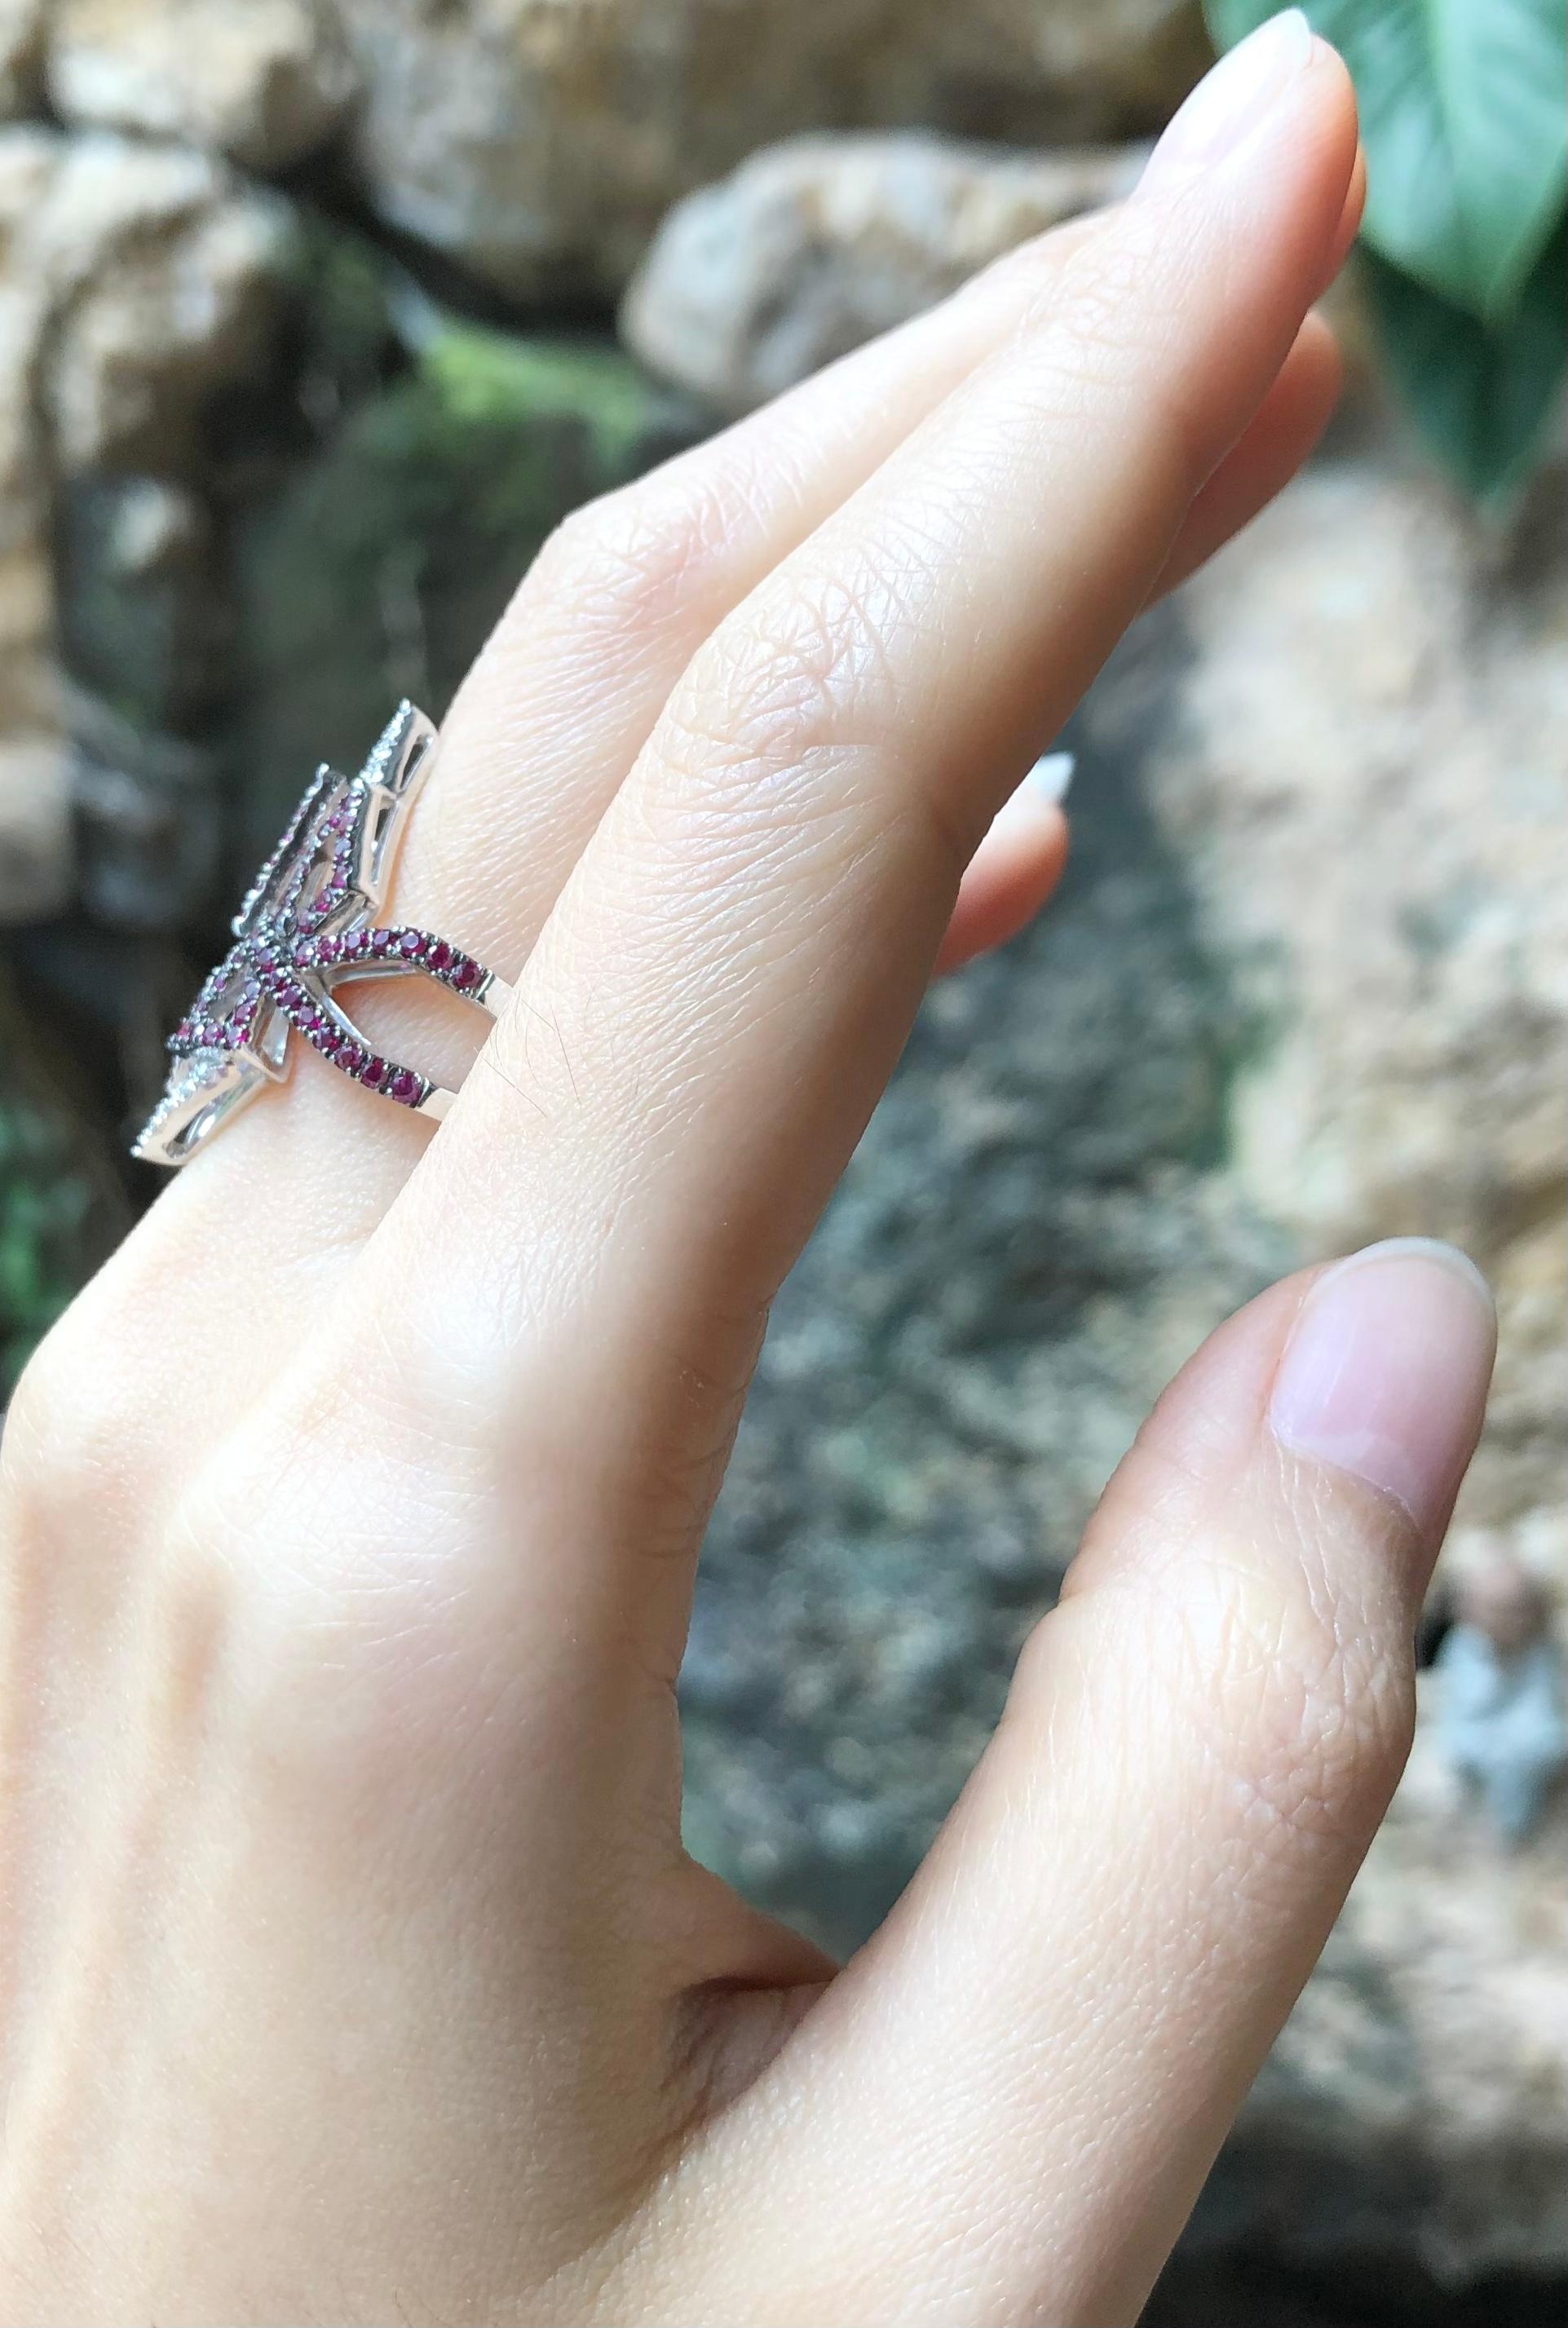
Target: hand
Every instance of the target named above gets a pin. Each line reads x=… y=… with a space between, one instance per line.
x=354 y=1969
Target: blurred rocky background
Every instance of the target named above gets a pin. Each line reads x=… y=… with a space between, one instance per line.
x=315 y=316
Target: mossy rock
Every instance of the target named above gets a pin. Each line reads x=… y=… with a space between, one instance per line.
x=344 y=336
x=382 y=568
x=58 y=1221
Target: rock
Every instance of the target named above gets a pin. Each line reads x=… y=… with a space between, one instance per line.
x=36 y=838
x=1507 y=1727
x=37 y=845
x=382 y=568
x=812 y=247
x=540 y=142
x=21 y=56
x=1412 y=2119
x=27 y=687
x=28 y=690
x=136 y=282
x=1089 y=66
x=153 y=276
x=62 y=1212
x=148 y=812
x=1374 y=694
x=267 y=83
x=28 y=158
x=345 y=342
x=144 y=622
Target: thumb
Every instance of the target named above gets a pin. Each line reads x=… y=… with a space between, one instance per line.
x=1027 y=2072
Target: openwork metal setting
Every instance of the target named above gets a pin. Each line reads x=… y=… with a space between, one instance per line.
x=307 y=927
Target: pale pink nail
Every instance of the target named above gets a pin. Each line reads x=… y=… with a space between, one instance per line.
x=1231 y=99
x=1385 y=1373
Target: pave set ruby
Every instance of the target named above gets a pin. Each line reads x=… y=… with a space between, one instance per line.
x=306 y=927
x=225 y=1014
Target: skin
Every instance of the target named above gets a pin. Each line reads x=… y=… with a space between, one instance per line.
x=352 y=1967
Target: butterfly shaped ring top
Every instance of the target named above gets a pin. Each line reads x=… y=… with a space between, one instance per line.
x=308 y=926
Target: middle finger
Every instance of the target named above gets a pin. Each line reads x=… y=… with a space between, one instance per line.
x=719 y=994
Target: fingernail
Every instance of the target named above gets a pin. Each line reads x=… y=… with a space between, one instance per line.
x=1051 y=774
x=1385 y=1373
x=1232 y=98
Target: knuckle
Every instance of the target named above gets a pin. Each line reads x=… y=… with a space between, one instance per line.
x=196 y=1619
x=1022 y=277
x=1281 y=1703
x=793 y=726
x=84 y=1473
x=1312 y=1713
x=805 y=675
x=769 y=685
x=71 y=1428
x=332 y=1678
x=625 y=559
x=1103 y=289
x=243 y=1645
x=1107 y=317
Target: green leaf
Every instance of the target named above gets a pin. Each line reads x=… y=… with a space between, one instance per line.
x=1464 y=114
x=1483 y=395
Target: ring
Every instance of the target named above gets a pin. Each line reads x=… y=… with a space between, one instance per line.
x=307 y=926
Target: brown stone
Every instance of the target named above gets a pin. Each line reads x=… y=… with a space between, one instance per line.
x=266 y=83
x=1361 y=772
x=541 y=142
x=814 y=246
x=37 y=863
x=21 y=56
x=1423 y=2079
x=146 y=275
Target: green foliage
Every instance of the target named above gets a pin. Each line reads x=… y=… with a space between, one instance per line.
x=383 y=567
x=45 y=1215
x=343 y=318
x=1482 y=393
x=1464 y=119
x=487 y=377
